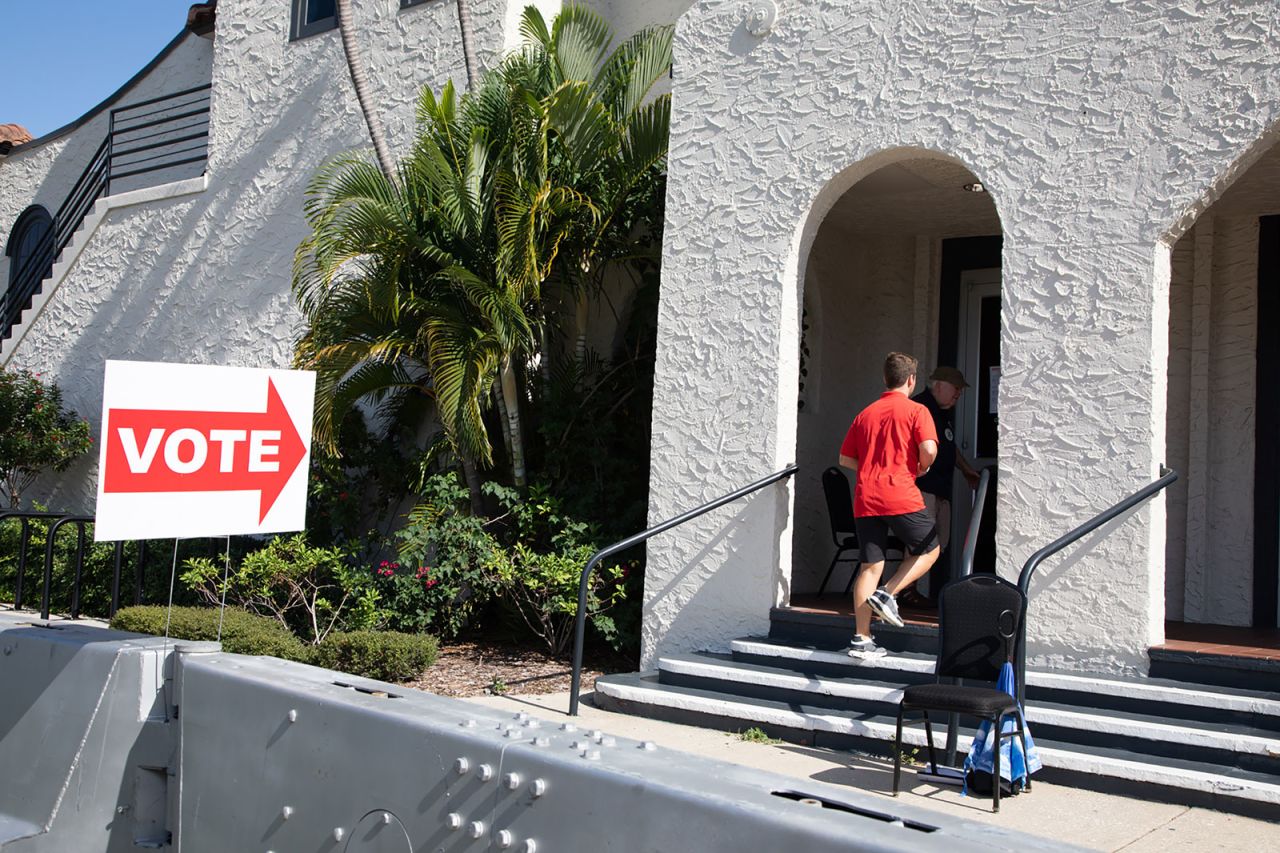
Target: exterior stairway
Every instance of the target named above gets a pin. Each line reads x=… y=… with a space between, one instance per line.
x=1152 y=737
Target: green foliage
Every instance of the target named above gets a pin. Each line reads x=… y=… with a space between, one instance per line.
x=242 y=633
x=451 y=558
x=498 y=687
x=755 y=734
x=539 y=573
x=36 y=433
x=381 y=655
x=308 y=590
x=352 y=487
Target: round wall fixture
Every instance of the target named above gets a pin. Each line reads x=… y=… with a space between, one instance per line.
x=760 y=16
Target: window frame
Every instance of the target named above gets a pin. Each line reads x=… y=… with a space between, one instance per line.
x=300 y=29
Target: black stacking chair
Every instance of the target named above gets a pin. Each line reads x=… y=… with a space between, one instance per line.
x=978 y=629
x=835 y=487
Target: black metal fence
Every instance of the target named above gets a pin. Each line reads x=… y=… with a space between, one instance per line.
x=143 y=139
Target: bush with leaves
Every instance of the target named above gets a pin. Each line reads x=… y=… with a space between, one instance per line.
x=308 y=590
x=242 y=633
x=382 y=655
x=449 y=558
x=36 y=433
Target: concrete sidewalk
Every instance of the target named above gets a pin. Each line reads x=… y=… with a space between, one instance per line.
x=1100 y=821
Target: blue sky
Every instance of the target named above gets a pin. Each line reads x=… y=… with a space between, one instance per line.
x=63 y=57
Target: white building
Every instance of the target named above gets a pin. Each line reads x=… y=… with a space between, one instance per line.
x=1110 y=290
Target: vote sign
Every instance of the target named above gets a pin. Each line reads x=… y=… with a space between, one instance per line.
x=197 y=450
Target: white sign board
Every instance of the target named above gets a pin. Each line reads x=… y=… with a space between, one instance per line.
x=192 y=450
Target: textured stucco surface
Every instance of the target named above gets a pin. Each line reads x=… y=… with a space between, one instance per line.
x=205 y=278
x=46 y=172
x=1101 y=130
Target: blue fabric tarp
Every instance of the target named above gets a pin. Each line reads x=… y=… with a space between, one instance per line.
x=1013 y=763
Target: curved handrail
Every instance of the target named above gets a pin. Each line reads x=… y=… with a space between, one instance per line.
x=975 y=522
x=580 y=625
x=1167 y=476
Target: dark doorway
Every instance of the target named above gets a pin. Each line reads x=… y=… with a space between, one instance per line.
x=1266 y=494
x=30 y=251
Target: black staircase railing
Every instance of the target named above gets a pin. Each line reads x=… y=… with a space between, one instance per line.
x=1168 y=476
x=584 y=585
x=149 y=136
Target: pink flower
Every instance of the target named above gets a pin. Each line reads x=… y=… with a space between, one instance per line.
x=431 y=583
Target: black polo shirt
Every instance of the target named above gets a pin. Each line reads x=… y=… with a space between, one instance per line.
x=937 y=481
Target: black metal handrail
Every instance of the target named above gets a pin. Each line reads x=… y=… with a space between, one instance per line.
x=580 y=626
x=172 y=131
x=1167 y=477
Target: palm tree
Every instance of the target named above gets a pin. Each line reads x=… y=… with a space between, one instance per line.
x=468 y=42
x=429 y=282
x=355 y=67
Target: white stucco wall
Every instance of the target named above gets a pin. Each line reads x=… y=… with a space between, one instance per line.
x=1101 y=132
x=45 y=172
x=206 y=278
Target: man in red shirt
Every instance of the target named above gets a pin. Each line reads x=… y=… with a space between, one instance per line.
x=889 y=444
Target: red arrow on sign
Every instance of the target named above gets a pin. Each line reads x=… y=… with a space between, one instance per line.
x=154 y=450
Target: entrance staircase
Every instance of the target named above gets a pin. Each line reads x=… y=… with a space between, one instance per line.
x=1159 y=738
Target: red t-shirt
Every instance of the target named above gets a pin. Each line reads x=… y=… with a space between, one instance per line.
x=885 y=439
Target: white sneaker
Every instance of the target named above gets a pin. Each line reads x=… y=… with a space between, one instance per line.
x=883 y=605
x=864 y=648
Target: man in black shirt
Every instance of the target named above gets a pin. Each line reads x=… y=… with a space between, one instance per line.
x=946 y=384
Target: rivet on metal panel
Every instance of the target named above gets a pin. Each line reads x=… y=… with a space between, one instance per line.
x=541 y=741
x=485 y=772
x=539 y=787
x=293 y=715
x=522 y=716
x=511 y=780
x=531 y=724
x=286 y=812
x=505 y=839
x=568 y=727
x=468 y=724
x=338 y=833
x=591 y=754
x=461 y=766
x=386 y=818
x=530 y=846
x=454 y=821
x=580 y=744
x=509 y=733
x=648 y=746
x=477 y=829
x=608 y=741
x=596 y=734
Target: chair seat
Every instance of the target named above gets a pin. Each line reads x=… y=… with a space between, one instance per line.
x=978 y=701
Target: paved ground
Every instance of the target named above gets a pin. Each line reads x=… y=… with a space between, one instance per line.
x=1099 y=821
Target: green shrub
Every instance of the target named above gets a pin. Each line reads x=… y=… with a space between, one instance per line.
x=311 y=590
x=242 y=633
x=36 y=433
x=381 y=655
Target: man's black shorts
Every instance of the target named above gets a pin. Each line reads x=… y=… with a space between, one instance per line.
x=915 y=529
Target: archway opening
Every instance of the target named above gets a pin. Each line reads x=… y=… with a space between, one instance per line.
x=906 y=259
x=1222 y=545
x=30 y=251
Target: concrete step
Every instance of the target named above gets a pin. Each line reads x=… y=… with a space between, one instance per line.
x=1223 y=744
x=1106 y=768
x=1153 y=697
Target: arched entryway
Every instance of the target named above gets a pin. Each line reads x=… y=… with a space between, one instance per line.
x=906 y=258
x=30 y=251
x=1222 y=552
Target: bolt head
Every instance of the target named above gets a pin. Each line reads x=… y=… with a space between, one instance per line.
x=286 y=812
x=505 y=839
x=461 y=766
x=454 y=821
x=539 y=787
x=293 y=715
x=511 y=780
x=476 y=830
x=530 y=846
x=541 y=741
x=568 y=727
x=338 y=833
x=485 y=772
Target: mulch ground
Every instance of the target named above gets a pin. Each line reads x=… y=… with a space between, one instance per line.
x=476 y=667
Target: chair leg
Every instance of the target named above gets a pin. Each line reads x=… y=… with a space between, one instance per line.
x=1026 y=769
x=995 y=768
x=897 y=752
x=928 y=736
x=831 y=568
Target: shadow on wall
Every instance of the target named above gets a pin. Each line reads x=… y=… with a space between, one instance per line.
x=215 y=288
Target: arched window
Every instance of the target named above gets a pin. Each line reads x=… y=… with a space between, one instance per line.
x=30 y=247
